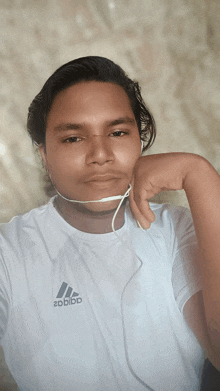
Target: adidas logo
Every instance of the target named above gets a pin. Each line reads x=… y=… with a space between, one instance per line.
x=67 y=296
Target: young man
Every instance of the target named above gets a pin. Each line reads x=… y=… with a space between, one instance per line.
x=85 y=308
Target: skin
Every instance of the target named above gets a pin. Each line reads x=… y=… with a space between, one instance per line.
x=92 y=145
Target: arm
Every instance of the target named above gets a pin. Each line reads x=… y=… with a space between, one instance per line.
x=201 y=182
x=202 y=187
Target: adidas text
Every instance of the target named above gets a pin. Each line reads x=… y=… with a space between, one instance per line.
x=69 y=301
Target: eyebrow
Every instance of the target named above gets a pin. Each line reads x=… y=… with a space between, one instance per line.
x=63 y=127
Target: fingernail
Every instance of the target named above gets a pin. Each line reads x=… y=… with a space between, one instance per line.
x=138 y=224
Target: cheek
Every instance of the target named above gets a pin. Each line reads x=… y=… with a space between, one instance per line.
x=129 y=157
x=64 y=167
x=59 y=158
x=61 y=166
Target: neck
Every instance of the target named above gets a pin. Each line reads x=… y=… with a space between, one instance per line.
x=86 y=220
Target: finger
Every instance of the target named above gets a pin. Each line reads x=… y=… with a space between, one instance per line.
x=144 y=216
x=141 y=200
x=144 y=208
x=145 y=222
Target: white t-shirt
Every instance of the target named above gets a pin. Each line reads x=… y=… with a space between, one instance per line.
x=85 y=312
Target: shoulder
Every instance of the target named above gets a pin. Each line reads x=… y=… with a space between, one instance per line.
x=174 y=222
x=21 y=227
x=172 y=229
x=168 y=213
x=23 y=220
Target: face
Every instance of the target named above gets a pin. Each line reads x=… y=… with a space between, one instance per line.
x=92 y=143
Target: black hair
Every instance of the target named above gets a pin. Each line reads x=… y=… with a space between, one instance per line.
x=91 y=68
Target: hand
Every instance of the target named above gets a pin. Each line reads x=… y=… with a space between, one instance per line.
x=153 y=174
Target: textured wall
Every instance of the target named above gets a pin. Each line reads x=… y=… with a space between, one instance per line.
x=172 y=48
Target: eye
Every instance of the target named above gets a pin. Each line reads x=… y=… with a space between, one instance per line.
x=118 y=133
x=72 y=139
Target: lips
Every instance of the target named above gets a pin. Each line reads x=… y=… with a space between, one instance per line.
x=102 y=178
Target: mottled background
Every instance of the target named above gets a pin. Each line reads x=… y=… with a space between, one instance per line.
x=171 y=47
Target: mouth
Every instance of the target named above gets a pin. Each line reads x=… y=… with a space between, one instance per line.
x=103 y=183
x=102 y=178
x=105 y=180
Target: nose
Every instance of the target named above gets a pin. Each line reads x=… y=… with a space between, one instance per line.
x=100 y=150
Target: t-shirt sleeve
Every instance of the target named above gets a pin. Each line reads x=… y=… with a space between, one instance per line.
x=4 y=299
x=186 y=272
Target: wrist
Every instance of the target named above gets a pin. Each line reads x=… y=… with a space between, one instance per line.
x=197 y=170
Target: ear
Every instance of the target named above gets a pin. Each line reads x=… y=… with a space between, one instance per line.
x=42 y=150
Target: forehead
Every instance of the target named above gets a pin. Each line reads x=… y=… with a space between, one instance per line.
x=85 y=97
x=91 y=107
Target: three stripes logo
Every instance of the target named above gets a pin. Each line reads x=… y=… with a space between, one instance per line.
x=67 y=296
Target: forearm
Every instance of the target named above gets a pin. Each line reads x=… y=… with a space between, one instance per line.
x=202 y=187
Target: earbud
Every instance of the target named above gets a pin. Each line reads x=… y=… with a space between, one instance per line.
x=142 y=146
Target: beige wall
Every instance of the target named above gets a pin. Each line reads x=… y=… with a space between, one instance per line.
x=172 y=48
